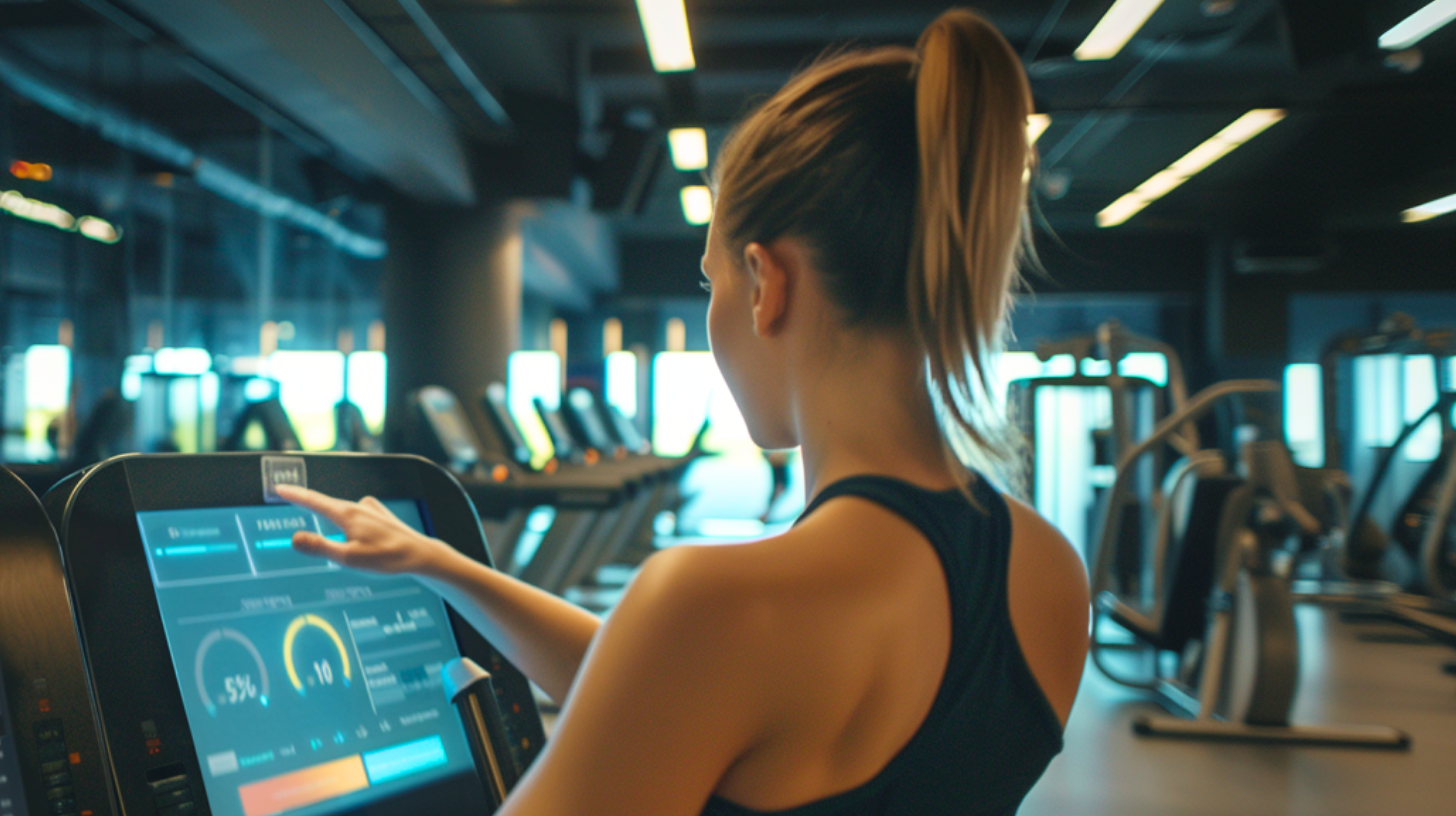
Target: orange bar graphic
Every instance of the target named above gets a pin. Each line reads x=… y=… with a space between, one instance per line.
x=303 y=788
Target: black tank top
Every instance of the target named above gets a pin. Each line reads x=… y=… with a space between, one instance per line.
x=991 y=731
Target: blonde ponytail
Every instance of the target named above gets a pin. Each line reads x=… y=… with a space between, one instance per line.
x=903 y=169
x=972 y=100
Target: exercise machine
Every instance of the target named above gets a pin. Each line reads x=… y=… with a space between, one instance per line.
x=231 y=675
x=1113 y=409
x=1216 y=620
x=578 y=503
x=51 y=756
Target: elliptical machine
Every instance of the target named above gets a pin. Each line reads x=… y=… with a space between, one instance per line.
x=1214 y=614
x=1422 y=560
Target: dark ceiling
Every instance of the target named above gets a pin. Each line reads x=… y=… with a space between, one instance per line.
x=1365 y=139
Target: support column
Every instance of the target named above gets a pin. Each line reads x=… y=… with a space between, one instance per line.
x=452 y=301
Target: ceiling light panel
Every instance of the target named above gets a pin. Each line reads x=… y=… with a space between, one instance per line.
x=1117 y=27
x=1194 y=162
x=665 y=23
x=1419 y=26
x=1429 y=210
x=689 y=148
x=1036 y=125
x=697 y=205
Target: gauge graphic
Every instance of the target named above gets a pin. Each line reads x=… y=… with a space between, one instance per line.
x=234 y=681
x=318 y=670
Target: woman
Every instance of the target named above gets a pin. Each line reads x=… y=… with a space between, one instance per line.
x=914 y=644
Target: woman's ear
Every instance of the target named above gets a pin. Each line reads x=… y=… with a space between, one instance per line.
x=771 y=284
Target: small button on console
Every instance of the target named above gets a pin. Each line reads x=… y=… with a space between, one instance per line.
x=171 y=783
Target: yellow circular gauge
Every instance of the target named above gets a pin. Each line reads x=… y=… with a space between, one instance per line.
x=321 y=673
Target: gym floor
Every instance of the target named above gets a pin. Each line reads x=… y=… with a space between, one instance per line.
x=1351 y=674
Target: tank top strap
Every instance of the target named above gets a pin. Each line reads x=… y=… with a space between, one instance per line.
x=945 y=517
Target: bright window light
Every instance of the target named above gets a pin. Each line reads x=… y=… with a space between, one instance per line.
x=47 y=377
x=1304 y=429
x=184 y=409
x=697 y=205
x=182 y=361
x=1224 y=142
x=1036 y=125
x=665 y=23
x=1066 y=474
x=689 y=148
x=258 y=389
x=1149 y=365
x=1429 y=210
x=310 y=384
x=47 y=393
x=1378 y=417
x=131 y=375
x=1418 y=26
x=1420 y=393
x=688 y=388
x=730 y=528
x=368 y=374
x=1117 y=27
x=622 y=382
x=531 y=375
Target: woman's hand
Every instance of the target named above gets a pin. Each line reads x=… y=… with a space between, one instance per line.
x=376 y=540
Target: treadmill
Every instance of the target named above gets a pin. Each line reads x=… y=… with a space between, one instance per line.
x=599 y=426
x=51 y=757
x=235 y=676
x=632 y=524
x=583 y=502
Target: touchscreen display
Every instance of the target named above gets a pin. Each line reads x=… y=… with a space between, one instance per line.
x=309 y=688
x=12 y=798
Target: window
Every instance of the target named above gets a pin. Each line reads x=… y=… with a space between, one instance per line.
x=531 y=375
x=310 y=384
x=1304 y=414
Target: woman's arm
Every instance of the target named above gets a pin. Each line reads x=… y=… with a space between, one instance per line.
x=674 y=691
x=543 y=635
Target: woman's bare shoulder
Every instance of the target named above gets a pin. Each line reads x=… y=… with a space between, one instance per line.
x=1050 y=604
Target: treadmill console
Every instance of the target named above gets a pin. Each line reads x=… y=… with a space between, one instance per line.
x=238 y=677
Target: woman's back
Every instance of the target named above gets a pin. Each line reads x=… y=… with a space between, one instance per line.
x=898 y=653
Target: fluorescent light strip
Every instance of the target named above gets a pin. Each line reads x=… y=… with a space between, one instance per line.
x=98 y=229
x=1118 y=26
x=18 y=205
x=1429 y=210
x=665 y=23
x=697 y=205
x=1196 y=161
x=1419 y=26
x=689 y=148
x=1036 y=125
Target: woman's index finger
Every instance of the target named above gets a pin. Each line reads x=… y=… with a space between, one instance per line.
x=326 y=506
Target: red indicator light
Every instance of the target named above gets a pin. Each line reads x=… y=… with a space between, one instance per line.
x=44 y=704
x=75 y=758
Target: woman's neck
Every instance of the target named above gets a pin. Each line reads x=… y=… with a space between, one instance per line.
x=866 y=409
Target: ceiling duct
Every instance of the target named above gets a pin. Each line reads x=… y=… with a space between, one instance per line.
x=131 y=133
